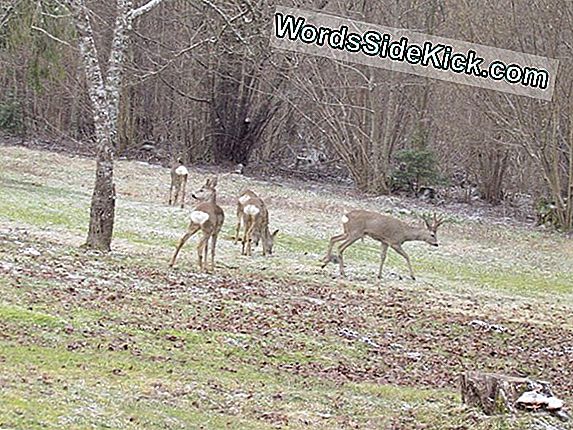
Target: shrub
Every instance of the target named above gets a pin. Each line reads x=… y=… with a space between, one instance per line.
x=11 y=116
x=415 y=168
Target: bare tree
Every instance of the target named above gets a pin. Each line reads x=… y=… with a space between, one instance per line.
x=364 y=112
x=543 y=129
x=104 y=91
x=199 y=78
x=245 y=83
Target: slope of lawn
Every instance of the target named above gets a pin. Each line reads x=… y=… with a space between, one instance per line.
x=121 y=341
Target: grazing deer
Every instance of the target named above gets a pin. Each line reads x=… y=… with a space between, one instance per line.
x=179 y=175
x=241 y=203
x=208 y=217
x=387 y=230
x=253 y=214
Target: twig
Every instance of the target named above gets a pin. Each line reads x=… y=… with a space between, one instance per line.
x=51 y=36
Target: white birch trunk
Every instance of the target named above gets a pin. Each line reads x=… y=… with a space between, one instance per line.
x=102 y=211
x=104 y=95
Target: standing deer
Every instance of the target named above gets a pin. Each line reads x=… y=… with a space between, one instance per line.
x=387 y=230
x=179 y=174
x=241 y=203
x=253 y=214
x=208 y=217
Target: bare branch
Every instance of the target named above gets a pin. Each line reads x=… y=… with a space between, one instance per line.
x=182 y=94
x=51 y=36
x=229 y=21
x=145 y=8
x=172 y=60
x=8 y=13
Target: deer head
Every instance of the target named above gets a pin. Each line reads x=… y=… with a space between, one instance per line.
x=432 y=224
x=207 y=192
x=268 y=241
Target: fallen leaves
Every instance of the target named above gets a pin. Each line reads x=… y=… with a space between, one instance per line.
x=392 y=336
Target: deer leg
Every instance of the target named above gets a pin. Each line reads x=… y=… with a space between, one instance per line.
x=209 y=233
x=171 y=193
x=183 y=185
x=257 y=232
x=192 y=230
x=250 y=237
x=247 y=226
x=205 y=252
x=341 y=249
x=328 y=257
x=383 y=251
x=238 y=229
x=213 y=246
x=399 y=250
x=201 y=249
x=177 y=191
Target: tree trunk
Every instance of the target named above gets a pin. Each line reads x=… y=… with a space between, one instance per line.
x=103 y=198
x=493 y=164
x=496 y=394
x=104 y=96
x=102 y=210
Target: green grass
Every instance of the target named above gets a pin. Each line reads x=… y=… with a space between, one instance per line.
x=121 y=341
x=49 y=206
x=41 y=206
x=15 y=314
x=519 y=281
x=111 y=382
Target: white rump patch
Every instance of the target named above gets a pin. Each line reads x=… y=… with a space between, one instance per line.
x=344 y=219
x=251 y=210
x=199 y=217
x=181 y=171
x=244 y=199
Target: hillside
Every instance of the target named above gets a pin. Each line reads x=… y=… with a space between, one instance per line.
x=121 y=341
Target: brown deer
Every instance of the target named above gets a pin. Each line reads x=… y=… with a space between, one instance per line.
x=387 y=230
x=253 y=214
x=241 y=203
x=179 y=175
x=208 y=217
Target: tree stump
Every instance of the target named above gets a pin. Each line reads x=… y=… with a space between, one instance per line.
x=497 y=394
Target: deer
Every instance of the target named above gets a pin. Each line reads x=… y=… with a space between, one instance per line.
x=179 y=175
x=253 y=214
x=390 y=232
x=241 y=203
x=208 y=217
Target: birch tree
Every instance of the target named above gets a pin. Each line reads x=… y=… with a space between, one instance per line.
x=104 y=91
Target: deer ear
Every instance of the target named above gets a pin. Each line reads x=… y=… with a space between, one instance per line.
x=211 y=181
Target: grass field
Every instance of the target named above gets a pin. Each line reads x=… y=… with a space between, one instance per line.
x=120 y=341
